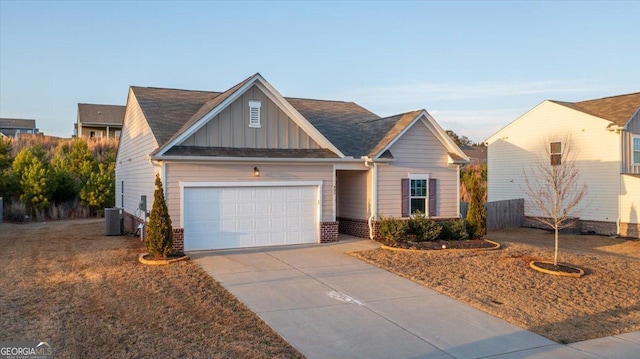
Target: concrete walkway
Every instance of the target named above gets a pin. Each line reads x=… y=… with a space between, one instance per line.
x=330 y=305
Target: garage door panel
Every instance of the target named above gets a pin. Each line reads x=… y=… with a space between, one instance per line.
x=225 y=217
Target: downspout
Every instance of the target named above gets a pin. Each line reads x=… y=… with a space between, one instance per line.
x=368 y=162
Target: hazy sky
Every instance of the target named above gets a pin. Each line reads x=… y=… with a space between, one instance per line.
x=475 y=66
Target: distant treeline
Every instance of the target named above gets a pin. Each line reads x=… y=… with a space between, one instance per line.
x=47 y=177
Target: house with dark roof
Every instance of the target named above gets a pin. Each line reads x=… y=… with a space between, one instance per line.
x=98 y=121
x=602 y=134
x=247 y=167
x=13 y=127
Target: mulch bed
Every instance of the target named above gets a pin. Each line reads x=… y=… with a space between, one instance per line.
x=438 y=244
x=557 y=268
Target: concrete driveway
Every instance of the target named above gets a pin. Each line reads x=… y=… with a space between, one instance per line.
x=330 y=305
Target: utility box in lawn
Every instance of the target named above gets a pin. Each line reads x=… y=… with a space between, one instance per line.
x=113 y=221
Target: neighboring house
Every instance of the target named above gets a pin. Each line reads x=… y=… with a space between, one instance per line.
x=604 y=136
x=13 y=127
x=98 y=121
x=248 y=167
x=477 y=154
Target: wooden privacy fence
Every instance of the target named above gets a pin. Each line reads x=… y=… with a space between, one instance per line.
x=501 y=214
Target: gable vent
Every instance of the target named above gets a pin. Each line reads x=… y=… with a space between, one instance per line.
x=254 y=113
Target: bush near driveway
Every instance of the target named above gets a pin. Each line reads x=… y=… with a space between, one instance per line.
x=87 y=295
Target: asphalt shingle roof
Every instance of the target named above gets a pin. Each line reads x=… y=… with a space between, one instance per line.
x=94 y=114
x=16 y=123
x=354 y=130
x=617 y=109
x=249 y=152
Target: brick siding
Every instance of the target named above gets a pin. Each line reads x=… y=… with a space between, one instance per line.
x=597 y=227
x=630 y=230
x=353 y=227
x=329 y=231
x=131 y=223
x=178 y=240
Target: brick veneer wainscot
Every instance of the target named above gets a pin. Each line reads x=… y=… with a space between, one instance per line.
x=329 y=231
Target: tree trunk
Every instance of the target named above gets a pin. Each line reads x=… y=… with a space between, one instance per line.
x=555 y=256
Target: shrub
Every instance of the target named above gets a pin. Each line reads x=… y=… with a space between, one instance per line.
x=159 y=238
x=15 y=212
x=424 y=228
x=453 y=230
x=476 y=215
x=394 y=229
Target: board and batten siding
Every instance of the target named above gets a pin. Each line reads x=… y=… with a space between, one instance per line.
x=418 y=151
x=230 y=128
x=632 y=129
x=352 y=188
x=221 y=172
x=630 y=199
x=513 y=150
x=132 y=165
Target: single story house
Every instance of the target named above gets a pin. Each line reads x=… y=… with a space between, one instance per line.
x=248 y=167
x=604 y=136
x=98 y=121
x=13 y=127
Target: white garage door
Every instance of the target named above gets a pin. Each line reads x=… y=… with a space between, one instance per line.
x=237 y=217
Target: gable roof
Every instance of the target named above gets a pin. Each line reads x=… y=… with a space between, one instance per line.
x=617 y=109
x=17 y=123
x=94 y=114
x=167 y=110
x=348 y=128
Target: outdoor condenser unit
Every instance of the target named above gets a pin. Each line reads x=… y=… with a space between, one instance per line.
x=113 y=218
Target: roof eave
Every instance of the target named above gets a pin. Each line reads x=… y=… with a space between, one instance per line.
x=249 y=159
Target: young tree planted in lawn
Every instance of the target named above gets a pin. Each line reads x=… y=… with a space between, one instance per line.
x=159 y=238
x=554 y=188
x=476 y=214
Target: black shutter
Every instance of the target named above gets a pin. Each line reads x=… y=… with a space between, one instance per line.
x=406 y=188
x=433 y=197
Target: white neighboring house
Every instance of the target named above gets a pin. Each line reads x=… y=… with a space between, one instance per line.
x=605 y=138
x=248 y=167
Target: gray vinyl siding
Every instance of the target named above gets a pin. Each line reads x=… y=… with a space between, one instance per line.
x=221 y=172
x=632 y=129
x=352 y=194
x=512 y=150
x=418 y=151
x=132 y=165
x=231 y=128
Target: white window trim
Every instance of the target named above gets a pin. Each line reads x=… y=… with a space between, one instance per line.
x=254 y=114
x=633 y=139
x=419 y=176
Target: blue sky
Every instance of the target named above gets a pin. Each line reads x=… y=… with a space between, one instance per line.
x=475 y=66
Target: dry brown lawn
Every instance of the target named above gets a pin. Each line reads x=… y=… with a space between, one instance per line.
x=87 y=295
x=604 y=302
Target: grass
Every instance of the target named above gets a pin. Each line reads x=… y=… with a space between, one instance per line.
x=86 y=294
x=604 y=302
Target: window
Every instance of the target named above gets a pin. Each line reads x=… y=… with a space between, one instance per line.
x=254 y=113
x=636 y=150
x=419 y=193
x=418 y=196
x=556 y=153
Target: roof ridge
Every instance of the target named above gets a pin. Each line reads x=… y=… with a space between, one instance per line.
x=608 y=97
x=172 y=89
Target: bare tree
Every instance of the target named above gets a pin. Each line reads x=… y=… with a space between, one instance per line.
x=554 y=187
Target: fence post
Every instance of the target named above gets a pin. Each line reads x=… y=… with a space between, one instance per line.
x=1 y=209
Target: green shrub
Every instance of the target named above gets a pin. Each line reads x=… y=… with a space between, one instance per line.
x=159 y=238
x=394 y=229
x=453 y=230
x=476 y=215
x=424 y=228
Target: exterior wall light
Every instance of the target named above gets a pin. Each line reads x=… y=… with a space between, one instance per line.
x=256 y=171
